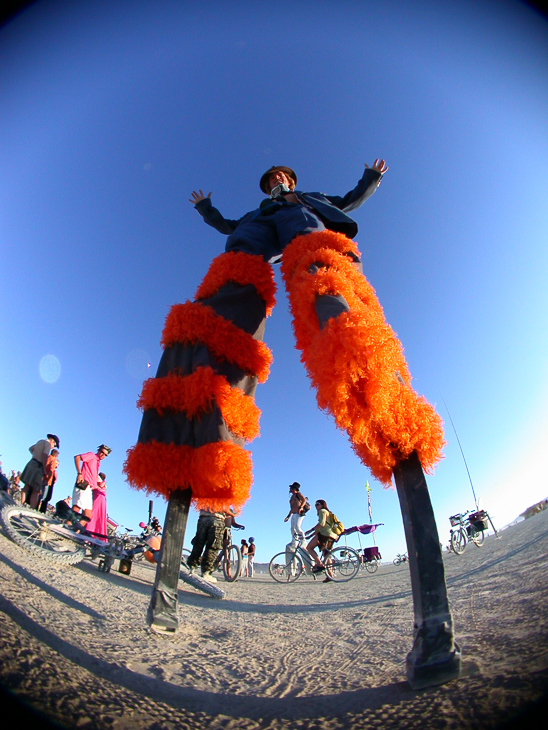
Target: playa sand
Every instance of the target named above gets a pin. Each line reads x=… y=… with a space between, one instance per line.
x=74 y=644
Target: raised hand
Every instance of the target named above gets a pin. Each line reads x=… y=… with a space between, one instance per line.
x=197 y=196
x=379 y=165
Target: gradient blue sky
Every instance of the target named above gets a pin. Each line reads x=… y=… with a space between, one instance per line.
x=112 y=113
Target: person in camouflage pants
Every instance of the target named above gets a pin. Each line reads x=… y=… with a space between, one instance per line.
x=209 y=534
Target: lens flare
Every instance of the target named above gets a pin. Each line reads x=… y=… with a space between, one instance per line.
x=50 y=369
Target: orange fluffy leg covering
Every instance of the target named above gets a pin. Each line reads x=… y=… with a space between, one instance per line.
x=354 y=358
x=199 y=410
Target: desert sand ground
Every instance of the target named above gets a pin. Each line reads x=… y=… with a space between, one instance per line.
x=74 y=644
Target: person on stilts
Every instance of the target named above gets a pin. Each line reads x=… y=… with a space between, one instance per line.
x=199 y=410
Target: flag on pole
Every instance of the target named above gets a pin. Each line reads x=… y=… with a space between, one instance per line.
x=369 y=502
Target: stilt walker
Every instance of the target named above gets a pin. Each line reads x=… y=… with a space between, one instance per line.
x=199 y=410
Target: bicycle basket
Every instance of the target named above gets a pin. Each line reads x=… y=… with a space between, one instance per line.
x=454 y=520
x=371 y=553
x=479 y=520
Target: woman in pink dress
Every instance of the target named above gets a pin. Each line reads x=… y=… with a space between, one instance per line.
x=98 y=522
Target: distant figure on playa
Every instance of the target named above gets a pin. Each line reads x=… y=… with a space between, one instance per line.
x=297 y=501
x=15 y=482
x=251 y=557
x=244 y=547
x=50 y=477
x=32 y=475
x=87 y=468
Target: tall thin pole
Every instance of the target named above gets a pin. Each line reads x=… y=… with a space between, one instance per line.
x=462 y=452
x=369 y=509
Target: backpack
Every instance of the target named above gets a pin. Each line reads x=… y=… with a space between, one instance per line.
x=335 y=525
x=306 y=506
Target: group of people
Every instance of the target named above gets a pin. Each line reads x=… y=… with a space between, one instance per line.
x=89 y=495
x=247 y=550
x=322 y=535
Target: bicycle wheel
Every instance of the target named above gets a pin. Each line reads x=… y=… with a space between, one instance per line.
x=396 y=561
x=341 y=564
x=458 y=542
x=232 y=563
x=372 y=566
x=286 y=567
x=184 y=558
x=32 y=531
x=479 y=538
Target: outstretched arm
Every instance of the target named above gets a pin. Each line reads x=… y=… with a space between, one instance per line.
x=211 y=215
x=366 y=186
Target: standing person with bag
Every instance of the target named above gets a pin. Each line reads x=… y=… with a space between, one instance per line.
x=87 y=466
x=33 y=473
x=297 y=510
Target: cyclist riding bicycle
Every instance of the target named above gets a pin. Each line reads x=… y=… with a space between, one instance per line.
x=324 y=536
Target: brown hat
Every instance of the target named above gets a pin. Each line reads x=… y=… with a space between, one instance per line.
x=296 y=486
x=264 y=179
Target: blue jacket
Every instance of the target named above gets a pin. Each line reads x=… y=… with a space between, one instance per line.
x=331 y=209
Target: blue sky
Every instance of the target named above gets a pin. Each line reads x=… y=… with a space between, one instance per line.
x=112 y=113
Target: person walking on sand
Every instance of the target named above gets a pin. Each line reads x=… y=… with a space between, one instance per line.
x=297 y=502
x=250 y=557
x=87 y=467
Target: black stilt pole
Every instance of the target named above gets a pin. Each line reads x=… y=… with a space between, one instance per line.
x=435 y=656
x=162 y=612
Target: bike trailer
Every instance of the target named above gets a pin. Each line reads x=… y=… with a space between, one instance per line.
x=479 y=520
x=371 y=553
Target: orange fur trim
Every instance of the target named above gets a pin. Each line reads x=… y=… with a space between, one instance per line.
x=195 y=393
x=311 y=243
x=192 y=322
x=219 y=474
x=354 y=360
x=240 y=268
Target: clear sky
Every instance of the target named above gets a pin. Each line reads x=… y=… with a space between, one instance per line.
x=112 y=113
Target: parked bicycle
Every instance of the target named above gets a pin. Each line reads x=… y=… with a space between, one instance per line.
x=469 y=527
x=400 y=558
x=341 y=564
x=229 y=559
x=62 y=539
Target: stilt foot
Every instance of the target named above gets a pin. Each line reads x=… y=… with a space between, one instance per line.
x=435 y=656
x=162 y=611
